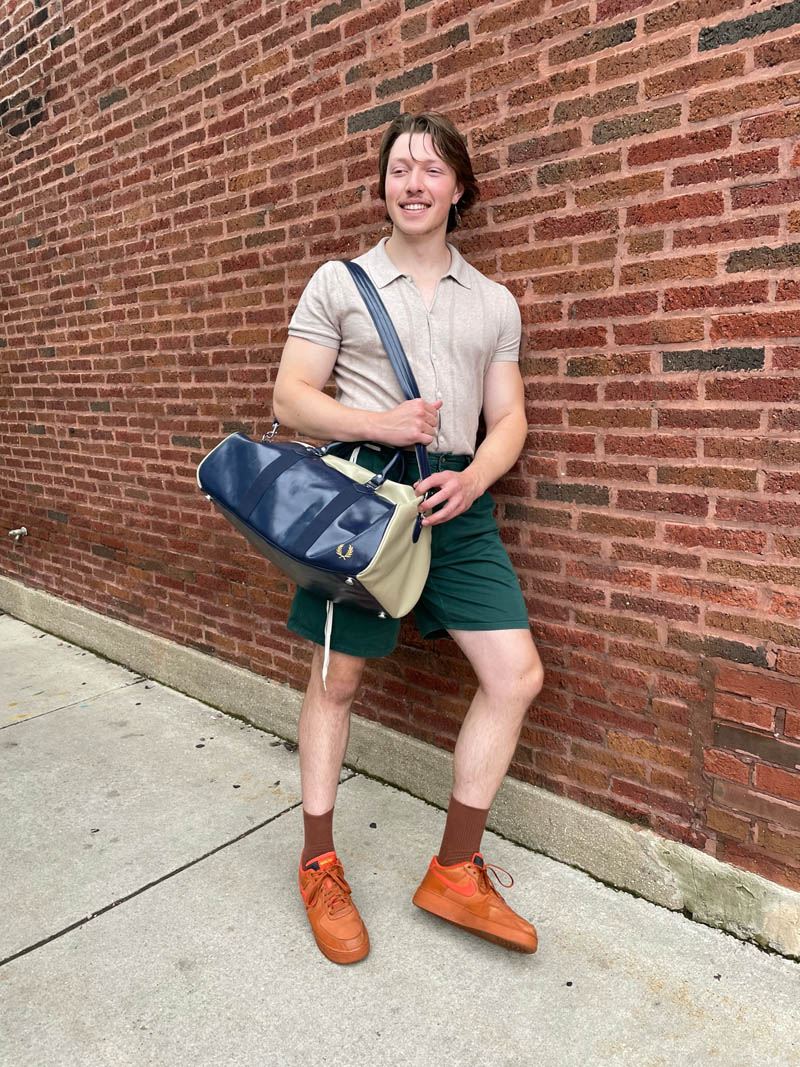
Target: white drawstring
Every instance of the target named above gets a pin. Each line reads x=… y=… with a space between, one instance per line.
x=327 y=656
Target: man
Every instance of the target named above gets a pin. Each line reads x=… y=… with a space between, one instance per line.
x=461 y=334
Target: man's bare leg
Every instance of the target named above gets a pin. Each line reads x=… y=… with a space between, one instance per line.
x=323 y=732
x=510 y=677
x=324 y=727
x=457 y=886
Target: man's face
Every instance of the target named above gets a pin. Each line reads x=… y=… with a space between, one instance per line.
x=420 y=186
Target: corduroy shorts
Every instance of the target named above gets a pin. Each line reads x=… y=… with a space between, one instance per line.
x=471 y=584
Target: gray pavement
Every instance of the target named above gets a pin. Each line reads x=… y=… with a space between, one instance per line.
x=150 y=913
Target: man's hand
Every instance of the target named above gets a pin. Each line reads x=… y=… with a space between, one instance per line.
x=506 y=427
x=299 y=401
x=457 y=490
x=411 y=423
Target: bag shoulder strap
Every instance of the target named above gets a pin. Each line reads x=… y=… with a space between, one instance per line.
x=391 y=342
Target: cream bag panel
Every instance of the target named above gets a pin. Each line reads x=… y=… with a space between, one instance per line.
x=398 y=572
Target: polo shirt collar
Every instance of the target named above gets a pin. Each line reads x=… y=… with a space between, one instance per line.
x=384 y=271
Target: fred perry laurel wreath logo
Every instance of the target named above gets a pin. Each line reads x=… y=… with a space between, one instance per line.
x=340 y=552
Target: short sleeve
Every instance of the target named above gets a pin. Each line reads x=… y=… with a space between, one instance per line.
x=315 y=317
x=510 y=334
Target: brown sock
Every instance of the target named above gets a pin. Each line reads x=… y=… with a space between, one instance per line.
x=318 y=835
x=462 y=833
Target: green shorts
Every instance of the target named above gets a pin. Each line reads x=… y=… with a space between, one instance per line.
x=471 y=584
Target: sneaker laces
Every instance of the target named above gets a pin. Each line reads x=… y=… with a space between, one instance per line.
x=334 y=888
x=492 y=868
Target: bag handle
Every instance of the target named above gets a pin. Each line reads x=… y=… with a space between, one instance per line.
x=377 y=479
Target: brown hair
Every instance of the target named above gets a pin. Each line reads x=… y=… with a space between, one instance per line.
x=448 y=143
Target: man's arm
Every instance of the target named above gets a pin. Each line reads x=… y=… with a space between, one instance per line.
x=506 y=429
x=299 y=402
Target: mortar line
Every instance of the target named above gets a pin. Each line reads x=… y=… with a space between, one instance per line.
x=156 y=881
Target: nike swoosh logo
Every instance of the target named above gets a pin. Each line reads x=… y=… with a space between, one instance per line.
x=467 y=890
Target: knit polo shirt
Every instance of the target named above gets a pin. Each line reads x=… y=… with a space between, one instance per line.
x=472 y=323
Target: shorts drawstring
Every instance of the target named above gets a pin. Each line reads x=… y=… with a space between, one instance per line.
x=328 y=628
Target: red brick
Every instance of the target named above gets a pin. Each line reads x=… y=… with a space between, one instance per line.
x=542 y=340
x=618 y=472
x=748 y=712
x=719 y=233
x=656 y=557
x=678 y=503
x=715 y=592
x=731 y=825
x=772 y=513
x=657 y=446
x=675 y=209
x=721 y=169
x=609 y=417
x=611 y=307
x=780 y=783
x=650 y=797
x=715 y=296
x=758 y=685
x=609 y=572
x=575 y=225
x=778 y=324
x=650 y=606
x=725 y=765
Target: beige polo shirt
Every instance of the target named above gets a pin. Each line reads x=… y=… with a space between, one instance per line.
x=472 y=323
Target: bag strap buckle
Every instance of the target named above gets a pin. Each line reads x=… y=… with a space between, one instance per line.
x=268 y=436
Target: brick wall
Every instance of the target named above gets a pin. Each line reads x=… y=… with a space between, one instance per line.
x=171 y=174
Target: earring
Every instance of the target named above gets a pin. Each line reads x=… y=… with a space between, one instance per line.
x=457 y=216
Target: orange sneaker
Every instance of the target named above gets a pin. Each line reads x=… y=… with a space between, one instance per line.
x=463 y=894
x=337 y=927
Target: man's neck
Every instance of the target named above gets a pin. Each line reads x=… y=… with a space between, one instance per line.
x=425 y=257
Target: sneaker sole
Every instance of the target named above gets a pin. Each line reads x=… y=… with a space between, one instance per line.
x=338 y=955
x=438 y=907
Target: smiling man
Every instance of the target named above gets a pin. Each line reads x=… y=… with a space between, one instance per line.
x=461 y=334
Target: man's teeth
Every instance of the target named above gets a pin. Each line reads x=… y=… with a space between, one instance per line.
x=415 y=207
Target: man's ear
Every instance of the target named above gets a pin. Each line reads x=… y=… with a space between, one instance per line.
x=458 y=193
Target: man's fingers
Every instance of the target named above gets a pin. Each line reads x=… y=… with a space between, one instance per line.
x=442 y=515
x=449 y=494
x=433 y=481
x=432 y=501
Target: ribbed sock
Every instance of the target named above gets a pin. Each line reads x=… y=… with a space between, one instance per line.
x=462 y=833
x=318 y=831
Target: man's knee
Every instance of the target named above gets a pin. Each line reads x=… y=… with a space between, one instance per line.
x=527 y=682
x=534 y=680
x=342 y=680
x=519 y=686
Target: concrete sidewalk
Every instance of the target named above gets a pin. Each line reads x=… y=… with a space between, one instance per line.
x=151 y=915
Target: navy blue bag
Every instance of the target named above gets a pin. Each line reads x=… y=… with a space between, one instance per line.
x=332 y=526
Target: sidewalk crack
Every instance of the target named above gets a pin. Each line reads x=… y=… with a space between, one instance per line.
x=75 y=703
x=142 y=889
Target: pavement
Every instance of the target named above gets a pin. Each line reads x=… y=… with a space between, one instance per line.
x=150 y=912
